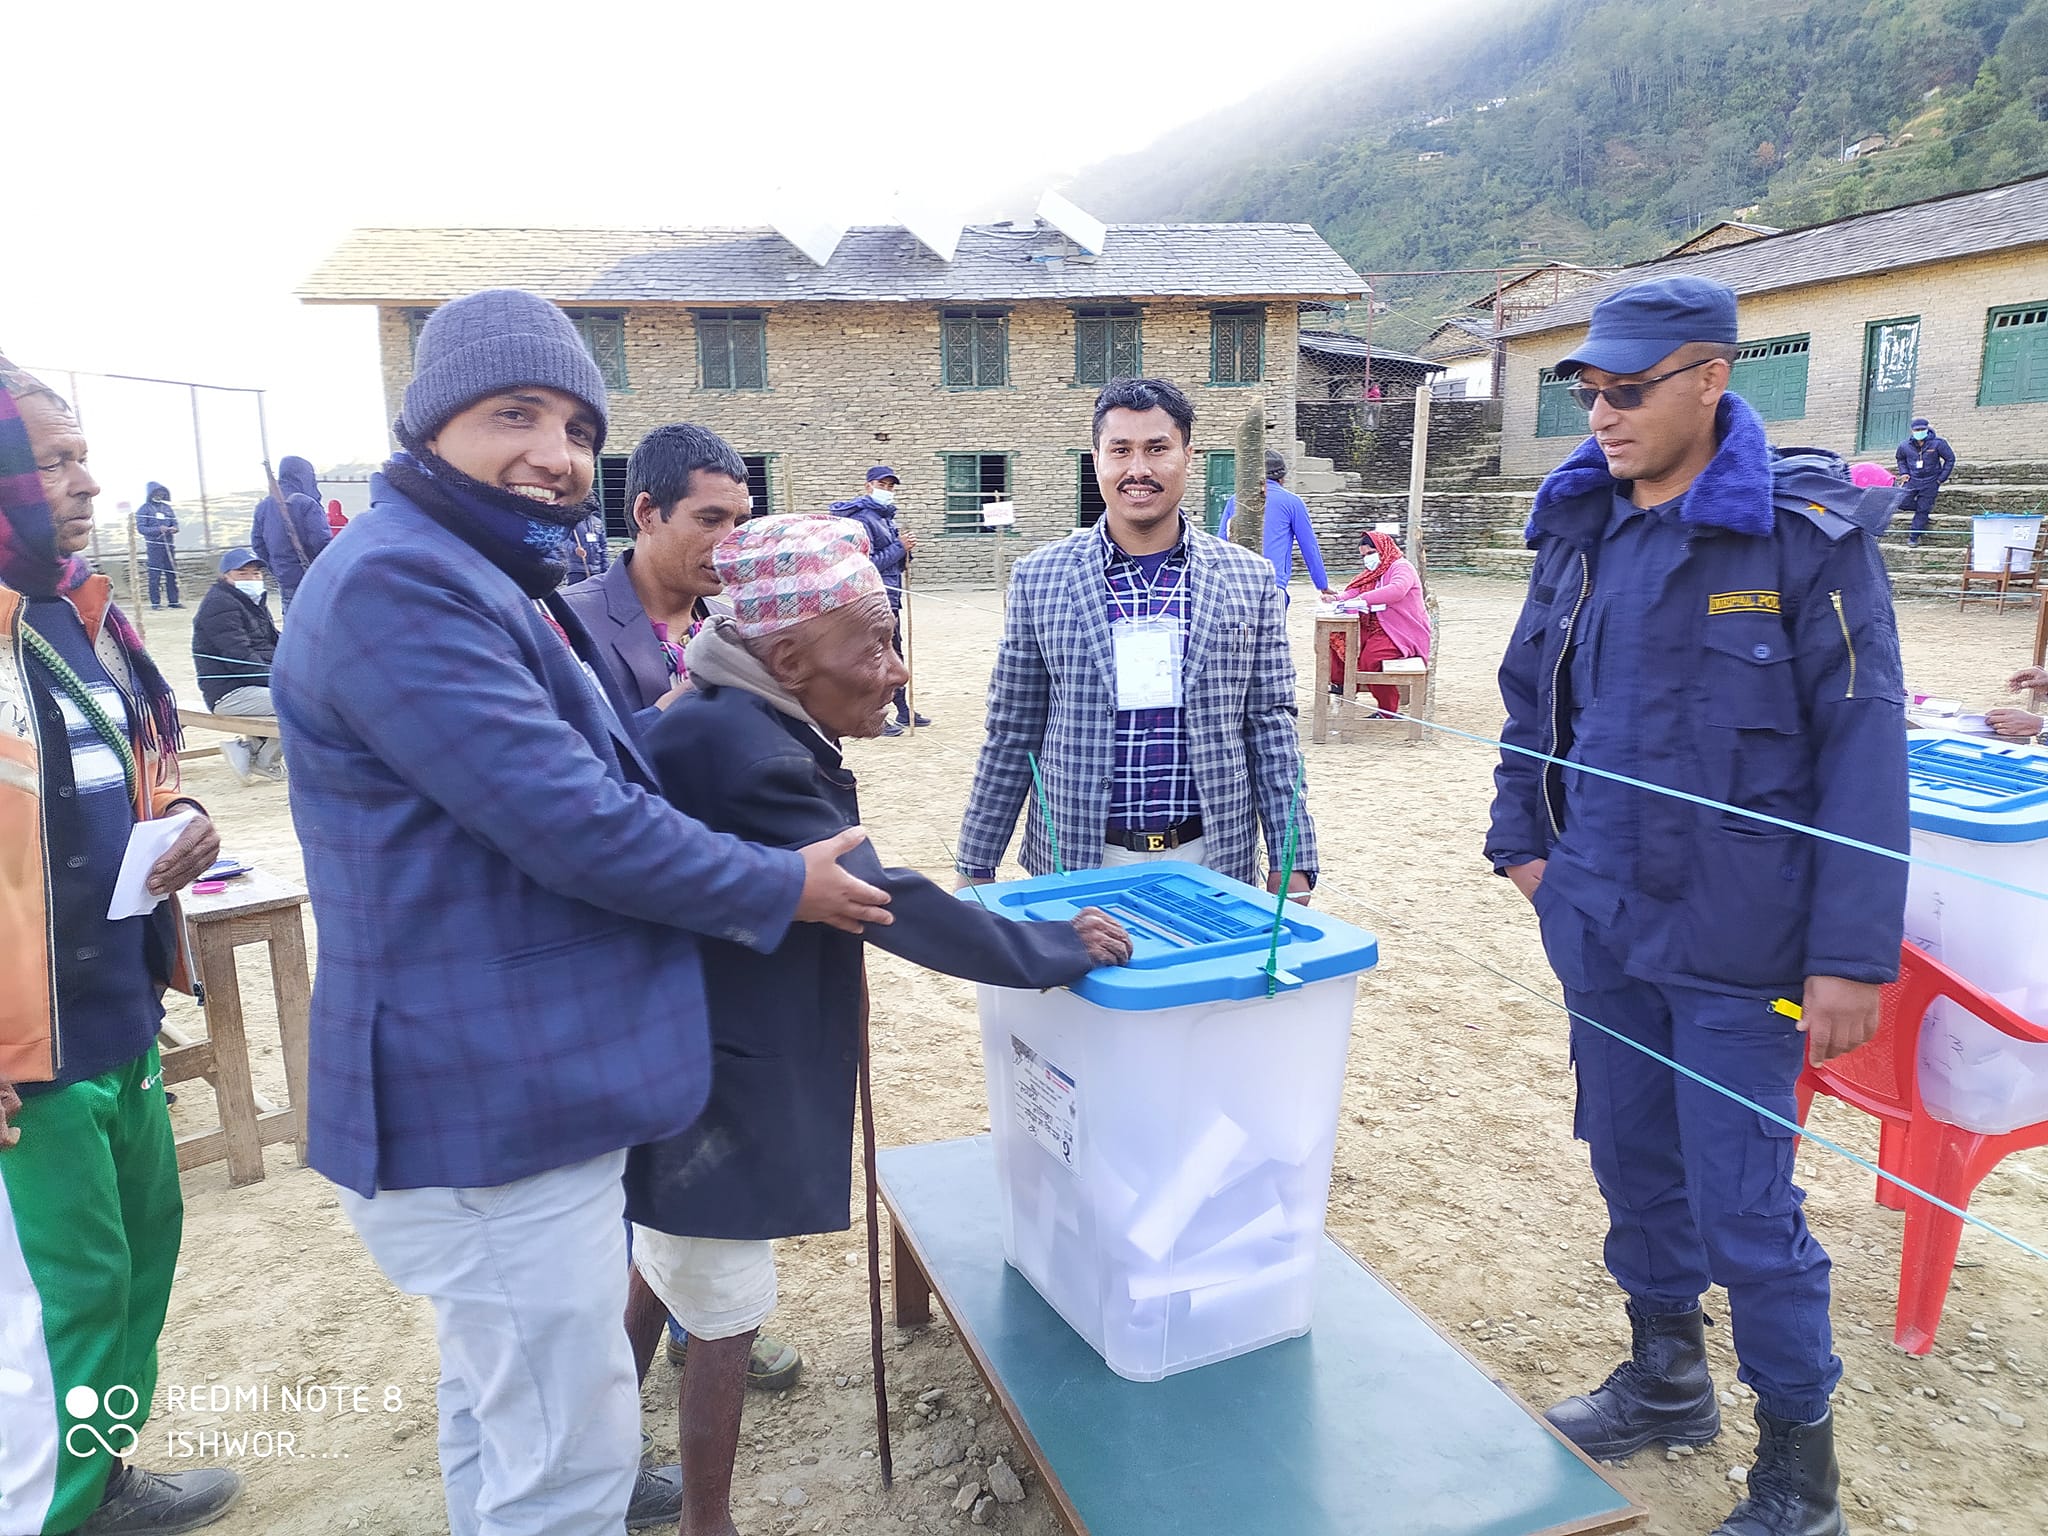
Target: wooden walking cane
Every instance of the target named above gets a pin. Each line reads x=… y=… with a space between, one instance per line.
x=867 y=1164
x=910 y=682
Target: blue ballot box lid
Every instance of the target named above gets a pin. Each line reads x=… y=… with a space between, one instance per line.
x=1197 y=936
x=1985 y=791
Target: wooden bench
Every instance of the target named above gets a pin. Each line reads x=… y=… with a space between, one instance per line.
x=1409 y=674
x=1375 y=1421
x=255 y=909
x=232 y=725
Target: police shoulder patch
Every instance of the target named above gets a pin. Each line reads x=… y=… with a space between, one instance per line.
x=1744 y=602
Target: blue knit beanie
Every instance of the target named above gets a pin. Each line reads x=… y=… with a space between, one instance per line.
x=496 y=340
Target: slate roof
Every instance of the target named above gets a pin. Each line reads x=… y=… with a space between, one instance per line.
x=994 y=263
x=1461 y=336
x=1343 y=344
x=1940 y=229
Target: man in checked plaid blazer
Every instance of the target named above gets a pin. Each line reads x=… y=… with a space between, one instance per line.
x=1144 y=665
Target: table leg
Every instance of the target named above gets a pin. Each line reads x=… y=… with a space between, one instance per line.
x=1354 y=658
x=233 y=1091
x=294 y=990
x=910 y=1291
x=1319 y=701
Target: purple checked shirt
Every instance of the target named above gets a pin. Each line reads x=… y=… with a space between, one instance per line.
x=1154 y=785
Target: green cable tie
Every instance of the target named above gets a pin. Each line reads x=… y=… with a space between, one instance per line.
x=1052 y=835
x=1286 y=879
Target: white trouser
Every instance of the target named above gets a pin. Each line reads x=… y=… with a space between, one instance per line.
x=1114 y=857
x=540 y=1412
x=716 y=1287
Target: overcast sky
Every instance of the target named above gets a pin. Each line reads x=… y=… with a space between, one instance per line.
x=178 y=170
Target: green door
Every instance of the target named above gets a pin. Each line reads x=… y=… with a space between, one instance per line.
x=1219 y=478
x=1891 y=359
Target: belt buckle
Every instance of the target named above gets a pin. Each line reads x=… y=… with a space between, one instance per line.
x=1155 y=842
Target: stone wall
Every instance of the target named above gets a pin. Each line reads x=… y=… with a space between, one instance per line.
x=1951 y=299
x=1376 y=443
x=855 y=384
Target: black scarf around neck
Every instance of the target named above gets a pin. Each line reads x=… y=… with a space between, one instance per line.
x=527 y=540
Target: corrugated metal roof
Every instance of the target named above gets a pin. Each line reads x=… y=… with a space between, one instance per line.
x=1343 y=344
x=1941 y=229
x=995 y=263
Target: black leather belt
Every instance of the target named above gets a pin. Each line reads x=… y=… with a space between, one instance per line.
x=1175 y=836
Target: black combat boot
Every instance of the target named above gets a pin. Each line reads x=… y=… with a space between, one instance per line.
x=1795 y=1486
x=1661 y=1392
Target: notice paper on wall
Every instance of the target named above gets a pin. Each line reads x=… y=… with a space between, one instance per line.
x=1047 y=1105
x=149 y=842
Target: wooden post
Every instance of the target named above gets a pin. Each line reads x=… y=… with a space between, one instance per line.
x=1418 y=469
x=909 y=682
x=1248 y=522
x=134 y=578
x=199 y=459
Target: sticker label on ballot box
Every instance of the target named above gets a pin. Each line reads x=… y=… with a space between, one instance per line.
x=1047 y=1105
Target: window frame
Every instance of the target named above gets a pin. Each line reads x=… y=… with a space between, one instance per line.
x=2039 y=339
x=1087 y=488
x=705 y=322
x=1234 y=317
x=975 y=317
x=1109 y=317
x=981 y=497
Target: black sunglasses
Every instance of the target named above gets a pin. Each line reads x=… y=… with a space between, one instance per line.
x=1626 y=397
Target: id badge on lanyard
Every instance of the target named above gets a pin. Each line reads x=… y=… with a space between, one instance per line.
x=1148 y=657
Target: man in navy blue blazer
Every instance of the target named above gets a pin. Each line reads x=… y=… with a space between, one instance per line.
x=509 y=992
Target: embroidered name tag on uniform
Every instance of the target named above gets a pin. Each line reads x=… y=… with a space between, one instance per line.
x=1743 y=602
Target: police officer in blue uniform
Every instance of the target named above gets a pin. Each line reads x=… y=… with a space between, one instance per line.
x=1708 y=614
x=1925 y=461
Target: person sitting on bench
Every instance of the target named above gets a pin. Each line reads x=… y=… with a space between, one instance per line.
x=233 y=639
x=804 y=661
x=1392 y=622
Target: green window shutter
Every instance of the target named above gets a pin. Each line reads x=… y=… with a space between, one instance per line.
x=974 y=348
x=1556 y=415
x=1091 y=350
x=956 y=337
x=604 y=338
x=1126 y=356
x=1771 y=376
x=714 y=351
x=1222 y=346
x=2015 y=356
x=992 y=351
x=1237 y=346
x=1252 y=355
x=749 y=335
x=963 y=492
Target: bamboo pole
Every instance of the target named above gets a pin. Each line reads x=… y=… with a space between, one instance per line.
x=199 y=460
x=1418 y=469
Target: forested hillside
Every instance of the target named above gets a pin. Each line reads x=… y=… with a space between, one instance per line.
x=1603 y=131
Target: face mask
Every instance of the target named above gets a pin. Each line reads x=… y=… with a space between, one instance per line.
x=1372 y=560
x=882 y=496
x=1920 y=437
x=253 y=590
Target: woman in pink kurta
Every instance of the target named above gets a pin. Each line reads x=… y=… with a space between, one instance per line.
x=1387 y=596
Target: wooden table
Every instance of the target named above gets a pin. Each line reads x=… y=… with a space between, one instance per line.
x=1344 y=627
x=1373 y=1422
x=258 y=908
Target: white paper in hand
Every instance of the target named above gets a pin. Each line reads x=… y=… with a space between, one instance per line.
x=150 y=841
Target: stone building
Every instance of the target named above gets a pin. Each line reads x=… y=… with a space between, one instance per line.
x=973 y=378
x=1848 y=331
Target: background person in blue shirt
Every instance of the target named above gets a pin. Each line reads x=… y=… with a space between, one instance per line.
x=1287 y=525
x=1711 y=616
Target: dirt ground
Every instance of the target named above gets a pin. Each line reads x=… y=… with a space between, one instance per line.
x=1456 y=1177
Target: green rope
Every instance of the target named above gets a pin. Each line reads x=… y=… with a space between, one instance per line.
x=1286 y=878
x=90 y=707
x=1052 y=835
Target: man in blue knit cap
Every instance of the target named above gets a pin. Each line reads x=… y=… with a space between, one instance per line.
x=509 y=992
x=1710 y=616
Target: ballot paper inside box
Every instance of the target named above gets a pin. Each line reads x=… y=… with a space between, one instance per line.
x=1164 y=1130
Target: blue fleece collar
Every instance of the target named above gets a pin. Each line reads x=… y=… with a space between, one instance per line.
x=1732 y=492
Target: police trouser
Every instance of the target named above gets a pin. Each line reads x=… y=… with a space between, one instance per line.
x=1921 y=499
x=163 y=574
x=1699 y=1188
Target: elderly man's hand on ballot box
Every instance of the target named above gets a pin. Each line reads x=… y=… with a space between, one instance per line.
x=1103 y=936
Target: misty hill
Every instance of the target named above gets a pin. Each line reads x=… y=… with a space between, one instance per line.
x=1604 y=131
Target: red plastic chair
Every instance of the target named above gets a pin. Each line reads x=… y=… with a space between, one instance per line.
x=1882 y=1078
